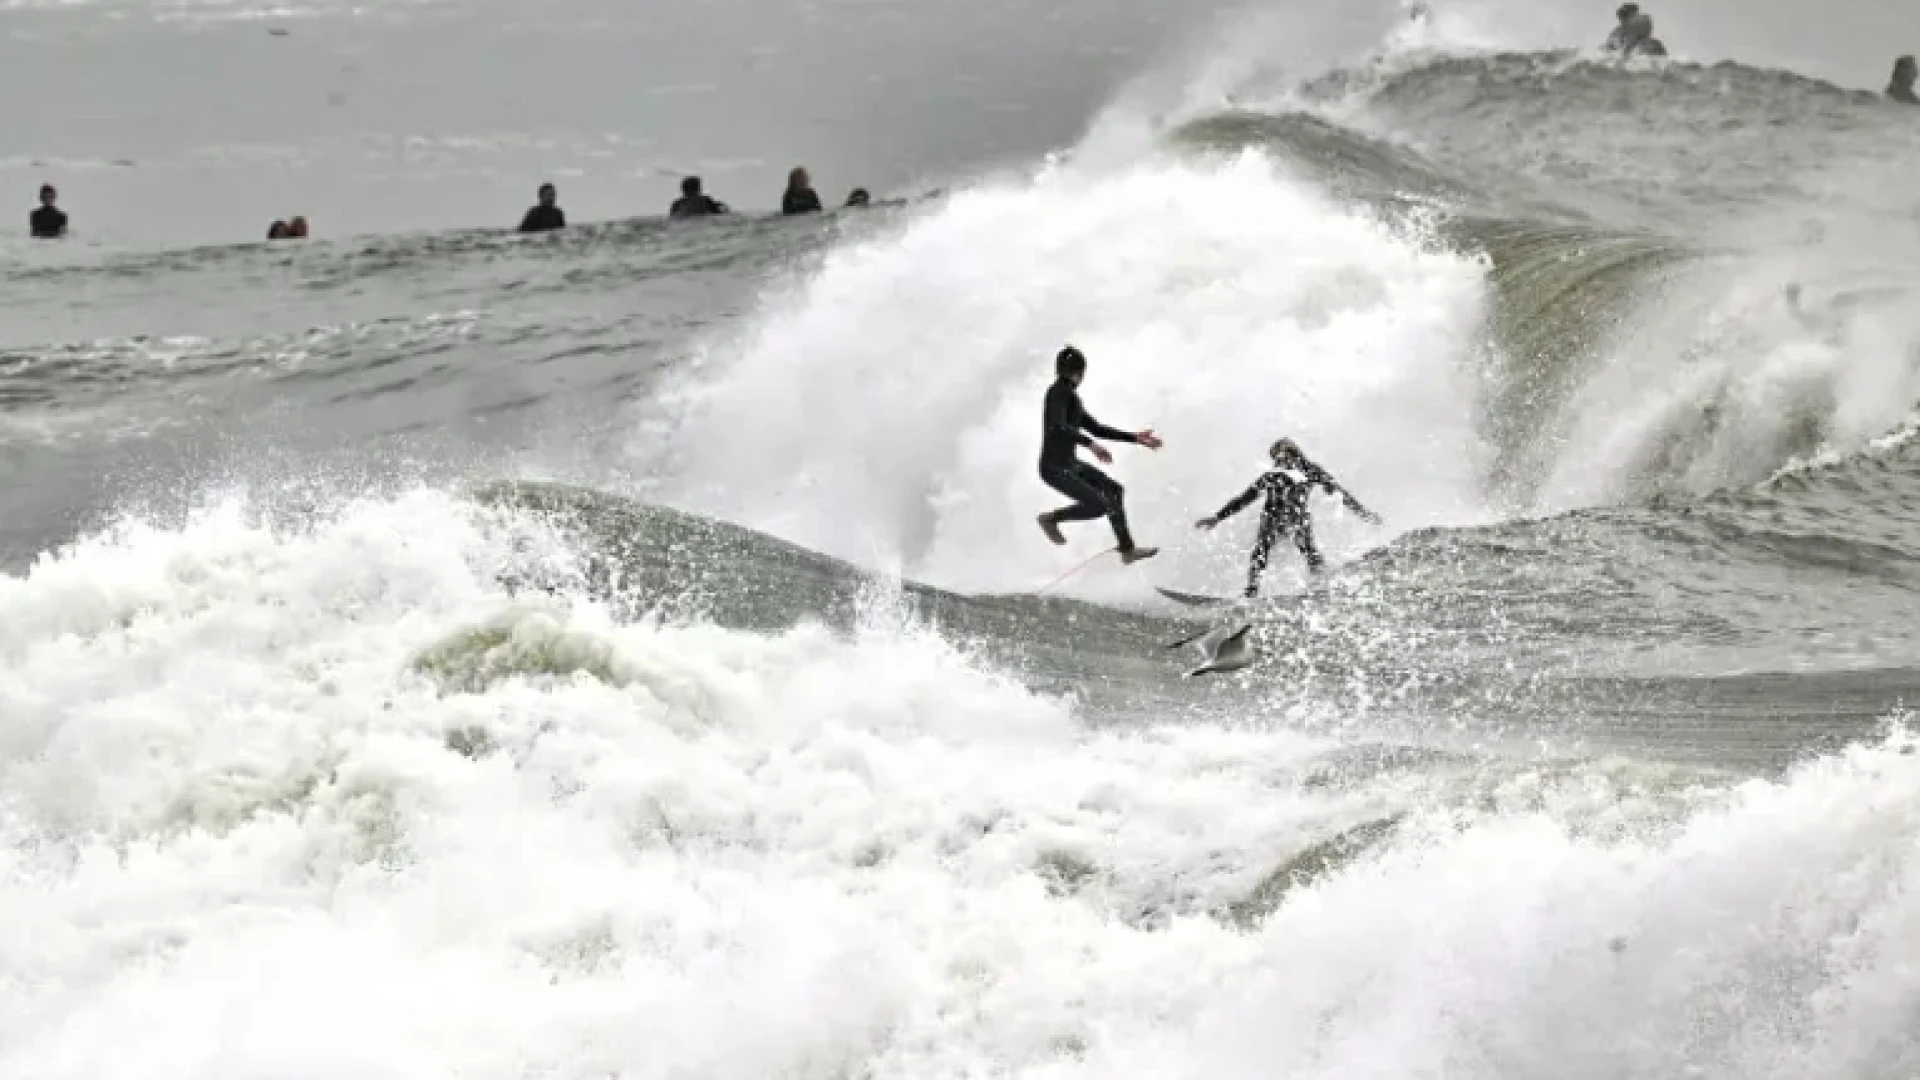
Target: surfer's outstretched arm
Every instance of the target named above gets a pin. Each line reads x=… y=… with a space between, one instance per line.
x=1102 y=431
x=1113 y=434
x=1238 y=503
x=1324 y=480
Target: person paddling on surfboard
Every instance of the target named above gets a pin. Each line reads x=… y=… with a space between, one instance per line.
x=1094 y=493
x=1286 y=487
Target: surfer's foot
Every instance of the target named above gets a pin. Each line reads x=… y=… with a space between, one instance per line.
x=1134 y=555
x=1051 y=528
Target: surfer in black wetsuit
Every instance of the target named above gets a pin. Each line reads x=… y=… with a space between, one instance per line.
x=693 y=202
x=800 y=198
x=547 y=216
x=47 y=222
x=1286 y=487
x=1095 y=494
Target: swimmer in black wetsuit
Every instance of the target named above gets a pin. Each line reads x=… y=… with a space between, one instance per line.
x=47 y=222
x=1286 y=487
x=547 y=216
x=799 y=198
x=694 y=203
x=1900 y=87
x=1634 y=34
x=1095 y=494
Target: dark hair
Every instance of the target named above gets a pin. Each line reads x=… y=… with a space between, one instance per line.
x=1070 y=361
x=46 y=190
x=690 y=186
x=1627 y=11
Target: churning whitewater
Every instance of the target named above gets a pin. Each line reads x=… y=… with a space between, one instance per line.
x=629 y=652
x=1217 y=302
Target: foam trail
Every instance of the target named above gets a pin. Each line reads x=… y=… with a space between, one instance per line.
x=888 y=410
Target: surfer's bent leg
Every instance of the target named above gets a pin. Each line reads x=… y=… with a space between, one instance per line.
x=1094 y=494
x=1257 y=562
x=1088 y=502
x=1115 y=498
x=1303 y=539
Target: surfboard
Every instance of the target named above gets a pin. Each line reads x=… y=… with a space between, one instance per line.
x=1195 y=599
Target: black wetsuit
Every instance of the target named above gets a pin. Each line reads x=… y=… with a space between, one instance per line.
x=1283 y=514
x=804 y=201
x=1094 y=493
x=47 y=223
x=687 y=206
x=543 y=218
x=1635 y=38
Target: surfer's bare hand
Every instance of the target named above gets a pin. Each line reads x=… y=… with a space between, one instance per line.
x=1148 y=439
x=1102 y=453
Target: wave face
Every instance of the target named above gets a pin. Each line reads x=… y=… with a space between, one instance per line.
x=631 y=652
x=1222 y=306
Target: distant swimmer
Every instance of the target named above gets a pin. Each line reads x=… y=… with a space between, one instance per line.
x=277 y=231
x=800 y=198
x=1066 y=425
x=546 y=215
x=1634 y=34
x=1900 y=87
x=858 y=197
x=1286 y=487
x=47 y=221
x=695 y=203
x=296 y=229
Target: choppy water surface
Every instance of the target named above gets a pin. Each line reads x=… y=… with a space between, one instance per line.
x=629 y=652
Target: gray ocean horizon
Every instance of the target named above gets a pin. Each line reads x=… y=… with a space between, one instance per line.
x=189 y=123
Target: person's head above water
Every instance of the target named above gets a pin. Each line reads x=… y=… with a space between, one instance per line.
x=548 y=195
x=798 y=180
x=1284 y=451
x=690 y=186
x=859 y=197
x=1626 y=12
x=1904 y=73
x=1070 y=364
x=48 y=195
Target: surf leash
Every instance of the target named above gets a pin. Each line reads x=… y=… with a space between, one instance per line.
x=1088 y=561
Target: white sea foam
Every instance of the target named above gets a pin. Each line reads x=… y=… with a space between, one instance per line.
x=888 y=410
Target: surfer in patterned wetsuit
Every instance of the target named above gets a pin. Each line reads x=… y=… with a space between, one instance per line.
x=1286 y=487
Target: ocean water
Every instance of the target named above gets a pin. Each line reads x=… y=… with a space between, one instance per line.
x=429 y=651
